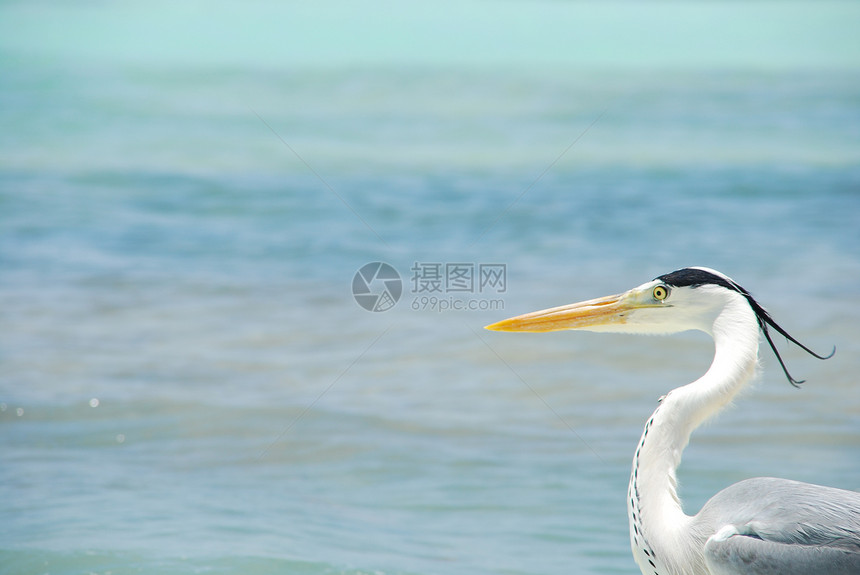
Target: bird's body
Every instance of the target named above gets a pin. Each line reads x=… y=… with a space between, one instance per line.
x=761 y=526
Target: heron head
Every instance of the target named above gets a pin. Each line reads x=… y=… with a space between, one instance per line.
x=686 y=299
x=661 y=306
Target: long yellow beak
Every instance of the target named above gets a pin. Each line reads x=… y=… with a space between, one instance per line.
x=591 y=314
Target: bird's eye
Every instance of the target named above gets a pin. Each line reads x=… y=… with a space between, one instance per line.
x=660 y=292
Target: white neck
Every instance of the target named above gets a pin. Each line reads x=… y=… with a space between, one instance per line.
x=657 y=519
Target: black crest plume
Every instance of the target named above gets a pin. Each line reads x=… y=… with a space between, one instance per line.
x=693 y=277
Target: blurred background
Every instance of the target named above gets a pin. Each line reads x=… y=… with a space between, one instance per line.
x=187 y=384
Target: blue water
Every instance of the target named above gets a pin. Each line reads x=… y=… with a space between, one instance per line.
x=187 y=383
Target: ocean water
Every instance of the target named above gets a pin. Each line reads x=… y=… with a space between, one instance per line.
x=187 y=384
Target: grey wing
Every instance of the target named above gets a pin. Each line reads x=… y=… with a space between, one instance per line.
x=749 y=555
x=767 y=526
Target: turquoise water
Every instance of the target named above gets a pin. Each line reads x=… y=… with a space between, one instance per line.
x=186 y=381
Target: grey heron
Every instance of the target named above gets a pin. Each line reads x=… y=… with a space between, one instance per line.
x=755 y=527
